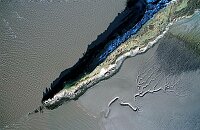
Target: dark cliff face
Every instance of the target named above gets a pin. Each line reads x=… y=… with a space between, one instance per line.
x=123 y=22
x=132 y=3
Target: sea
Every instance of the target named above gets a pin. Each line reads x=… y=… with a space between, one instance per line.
x=41 y=38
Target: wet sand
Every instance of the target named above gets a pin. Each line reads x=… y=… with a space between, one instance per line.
x=169 y=65
x=34 y=52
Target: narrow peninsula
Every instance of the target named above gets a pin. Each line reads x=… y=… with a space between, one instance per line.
x=132 y=32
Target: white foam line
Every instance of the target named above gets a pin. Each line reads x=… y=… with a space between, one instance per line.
x=129 y=105
x=107 y=113
x=121 y=103
x=104 y=72
x=107 y=72
x=109 y=104
x=142 y=94
x=112 y=101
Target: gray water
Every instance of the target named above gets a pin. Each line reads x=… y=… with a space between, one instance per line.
x=48 y=37
x=40 y=39
x=170 y=65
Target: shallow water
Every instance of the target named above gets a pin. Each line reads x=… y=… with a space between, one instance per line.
x=169 y=65
x=39 y=39
x=177 y=107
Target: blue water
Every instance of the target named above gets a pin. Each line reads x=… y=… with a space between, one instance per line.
x=151 y=10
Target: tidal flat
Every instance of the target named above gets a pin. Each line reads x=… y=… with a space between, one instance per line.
x=160 y=21
x=169 y=64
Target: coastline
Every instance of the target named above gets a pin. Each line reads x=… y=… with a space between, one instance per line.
x=98 y=50
x=104 y=73
x=137 y=44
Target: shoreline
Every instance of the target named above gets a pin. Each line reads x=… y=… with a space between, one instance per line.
x=135 y=45
x=104 y=73
x=98 y=50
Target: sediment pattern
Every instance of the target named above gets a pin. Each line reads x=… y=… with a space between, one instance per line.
x=152 y=26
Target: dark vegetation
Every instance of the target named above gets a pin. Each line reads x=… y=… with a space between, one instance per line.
x=124 y=21
x=189 y=10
